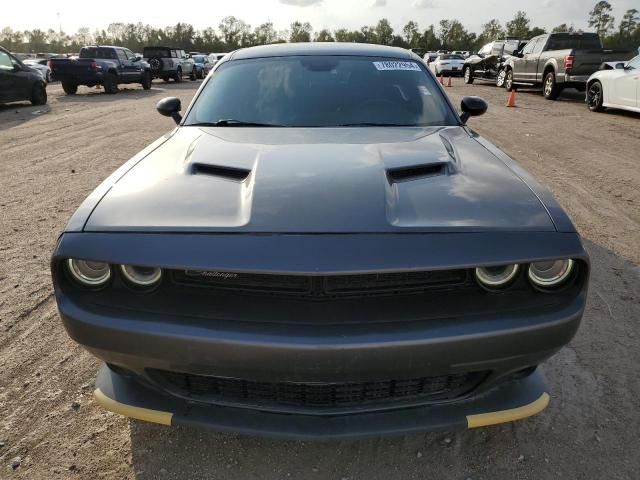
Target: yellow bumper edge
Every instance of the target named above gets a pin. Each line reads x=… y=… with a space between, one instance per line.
x=503 y=416
x=139 y=413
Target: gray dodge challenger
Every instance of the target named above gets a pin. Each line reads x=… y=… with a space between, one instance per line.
x=321 y=249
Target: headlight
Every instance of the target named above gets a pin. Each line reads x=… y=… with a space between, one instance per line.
x=495 y=277
x=88 y=273
x=141 y=276
x=550 y=274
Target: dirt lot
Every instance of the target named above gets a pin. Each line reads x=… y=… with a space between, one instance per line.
x=52 y=157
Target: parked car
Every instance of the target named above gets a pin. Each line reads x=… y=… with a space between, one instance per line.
x=216 y=57
x=447 y=273
x=464 y=53
x=557 y=61
x=202 y=65
x=103 y=65
x=615 y=88
x=488 y=63
x=448 y=64
x=430 y=57
x=169 y=63
x=20 y=82
x=41 y=65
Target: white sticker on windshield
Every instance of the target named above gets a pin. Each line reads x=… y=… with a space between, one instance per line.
x=397 y=66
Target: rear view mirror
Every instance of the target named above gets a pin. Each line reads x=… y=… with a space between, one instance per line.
x=472 y=107
x=170 y=107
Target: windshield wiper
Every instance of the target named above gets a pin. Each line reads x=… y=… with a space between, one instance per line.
x=229 y=122
x=373 y=124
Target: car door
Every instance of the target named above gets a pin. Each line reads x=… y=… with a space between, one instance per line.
x=520 y=63
x=124 y=64
x=626 y=85
x=133 y=66
x=533 y=61
x=526 y=65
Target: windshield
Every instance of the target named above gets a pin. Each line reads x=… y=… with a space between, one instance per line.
x=198 y=59
x=322 y=91
x=452 y=57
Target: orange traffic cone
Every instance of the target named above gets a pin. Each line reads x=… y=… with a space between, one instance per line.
x=449 y=82
x=511 y=101
x=441 y=80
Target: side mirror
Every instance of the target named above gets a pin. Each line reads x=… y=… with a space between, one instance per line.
x=16 y=67
x=472 y=107
x=621 y=66
x=137 y=58
x=170 y=107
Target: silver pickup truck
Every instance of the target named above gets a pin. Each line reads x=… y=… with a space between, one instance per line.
x=557 y=61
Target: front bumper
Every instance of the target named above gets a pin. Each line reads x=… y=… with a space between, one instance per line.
x=513 y=401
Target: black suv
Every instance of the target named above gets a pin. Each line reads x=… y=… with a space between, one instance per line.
x=169 y=63
x=19 y=82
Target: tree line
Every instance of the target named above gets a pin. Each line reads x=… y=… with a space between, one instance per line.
x=232 y=33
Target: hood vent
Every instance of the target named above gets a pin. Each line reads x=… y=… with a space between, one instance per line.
x=404 y=174
x=230 y=173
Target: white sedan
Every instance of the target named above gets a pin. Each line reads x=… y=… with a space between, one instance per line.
x=41 y=65
x=617 y=88
x=447 y=64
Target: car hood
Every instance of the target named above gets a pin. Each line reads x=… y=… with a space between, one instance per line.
x=319 y=180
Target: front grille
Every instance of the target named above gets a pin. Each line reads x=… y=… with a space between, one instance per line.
x=317 y=395
x=324 y=286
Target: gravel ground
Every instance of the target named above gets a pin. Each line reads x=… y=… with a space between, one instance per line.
x=50 y=427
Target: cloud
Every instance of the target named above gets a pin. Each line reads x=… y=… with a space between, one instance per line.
x=424 y=3
x=379 y=3
x=301 y=3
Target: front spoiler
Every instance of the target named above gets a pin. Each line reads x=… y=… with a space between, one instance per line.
x=512 y=401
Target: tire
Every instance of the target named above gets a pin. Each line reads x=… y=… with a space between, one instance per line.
x=500 y=78
x=192 y=75
x=595 y=97
x=69 y=88
x=178 y=76
x=110 y=84
x=550 y=88
x=165 y=79
x=47 y=77
x=200 y=74
x=468 y=75
x=146 y=80
x=39 y=94
x=156 y=65
x=508 y=80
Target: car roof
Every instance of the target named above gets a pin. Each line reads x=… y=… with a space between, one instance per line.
x=323 y=48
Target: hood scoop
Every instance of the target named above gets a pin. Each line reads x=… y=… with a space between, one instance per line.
x=230 y=173
x=413 y=172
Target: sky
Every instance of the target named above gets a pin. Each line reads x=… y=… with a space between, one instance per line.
x=331 y=14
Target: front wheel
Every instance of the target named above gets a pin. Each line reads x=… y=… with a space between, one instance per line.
x=146 y=80
x=550 y=88
x=192 y=75
x=502 y=76
x=508 y=80
x=468 y=76
x=595 y=97
x=39 y=94
x=178 y=76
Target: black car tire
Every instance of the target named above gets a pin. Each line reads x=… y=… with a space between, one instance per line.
x=200 y=74
x=550 y=88
x=39 y=94
x=508 y=80
x=192 y=75
x=165 y=79
x=69 y=88
x=468 y=75
x=595 y=97
x=146 y=80
x=156 y=64
x=110 y=84
x=178 y=76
